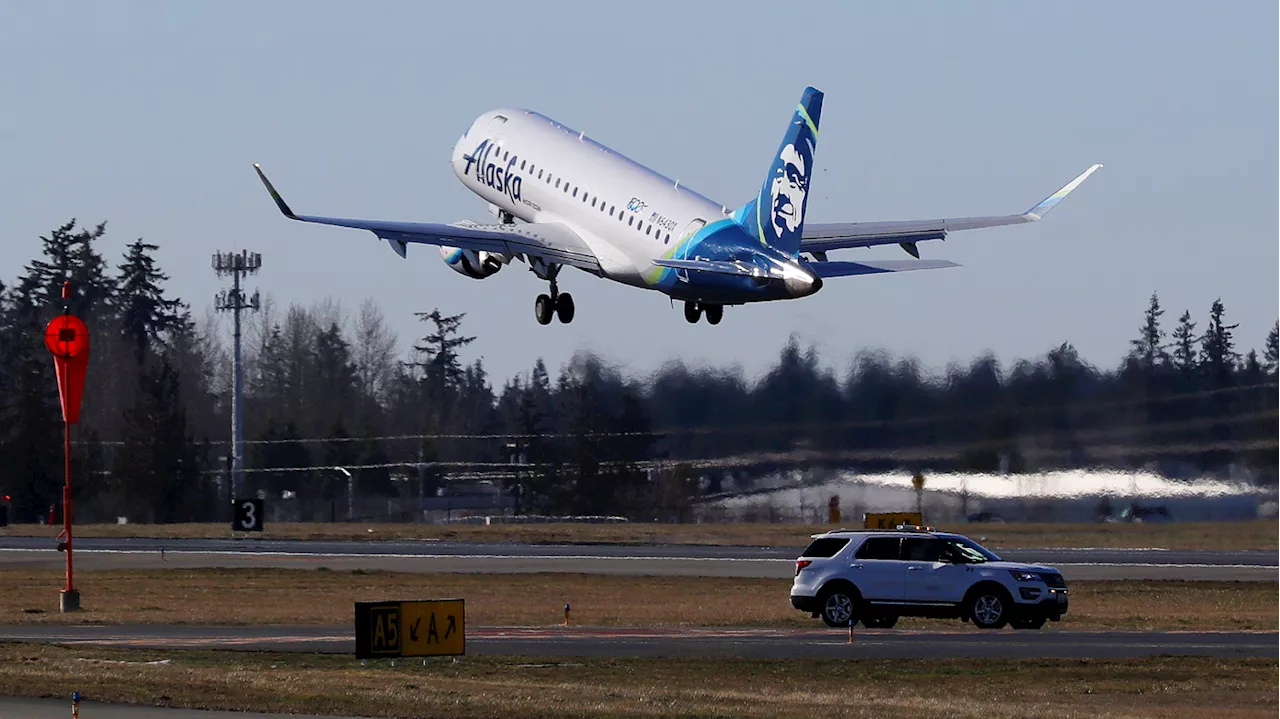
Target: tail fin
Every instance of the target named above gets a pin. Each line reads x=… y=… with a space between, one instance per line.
x=776 y=215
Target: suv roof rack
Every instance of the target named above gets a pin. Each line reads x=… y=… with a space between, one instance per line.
x=864 y=530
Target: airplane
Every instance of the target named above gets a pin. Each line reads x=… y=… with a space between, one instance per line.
x=562 y=199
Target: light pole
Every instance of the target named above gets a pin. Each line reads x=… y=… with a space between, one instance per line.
x=234 y=301
x=351 y=493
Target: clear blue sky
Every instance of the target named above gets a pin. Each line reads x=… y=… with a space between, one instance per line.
x=150 y=114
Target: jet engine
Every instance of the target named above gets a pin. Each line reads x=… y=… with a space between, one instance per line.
x=477 y=265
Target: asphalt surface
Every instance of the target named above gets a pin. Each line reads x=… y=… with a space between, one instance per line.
x=558 y=641
x=61 y=708
x=659 y=560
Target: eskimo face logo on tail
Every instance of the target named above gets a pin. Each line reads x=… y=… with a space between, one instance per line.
x=788 y=189
x=489 y=172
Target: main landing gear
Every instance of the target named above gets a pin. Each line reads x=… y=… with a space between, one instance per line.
x=694 y=310
x=556 y=304
x=547 y=307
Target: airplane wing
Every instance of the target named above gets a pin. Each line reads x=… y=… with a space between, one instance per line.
x=552 y=242
x=837 y=236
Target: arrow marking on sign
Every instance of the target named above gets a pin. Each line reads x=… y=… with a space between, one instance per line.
x=451 y=628
x=413 y=631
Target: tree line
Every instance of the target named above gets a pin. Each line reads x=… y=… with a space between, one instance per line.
x=327 y=388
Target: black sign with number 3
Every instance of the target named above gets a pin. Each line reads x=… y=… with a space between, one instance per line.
x=248 y=516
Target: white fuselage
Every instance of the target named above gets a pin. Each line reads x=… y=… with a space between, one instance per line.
x=533 y=169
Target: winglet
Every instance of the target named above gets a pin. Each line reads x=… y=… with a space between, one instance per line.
x=1047 y=203
x=274 y=195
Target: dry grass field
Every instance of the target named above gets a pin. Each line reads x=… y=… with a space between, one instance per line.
x=1252 y=534
x=298 y=596
x=1155 y=688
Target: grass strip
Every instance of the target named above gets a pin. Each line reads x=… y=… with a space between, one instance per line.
x=303 y=596
x=1156 y=687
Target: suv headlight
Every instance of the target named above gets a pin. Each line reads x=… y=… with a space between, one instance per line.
x=1023 y=576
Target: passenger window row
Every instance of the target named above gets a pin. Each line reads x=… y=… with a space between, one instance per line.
x=648 y=229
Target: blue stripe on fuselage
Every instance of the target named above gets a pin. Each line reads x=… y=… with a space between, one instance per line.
x=723 y=240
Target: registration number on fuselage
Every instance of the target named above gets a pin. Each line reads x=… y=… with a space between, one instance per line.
x=662 y=221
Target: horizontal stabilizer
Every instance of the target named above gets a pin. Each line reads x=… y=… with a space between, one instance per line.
x=874 y=267
x=717 y=266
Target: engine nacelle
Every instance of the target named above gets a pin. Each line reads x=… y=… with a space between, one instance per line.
x=477 y=265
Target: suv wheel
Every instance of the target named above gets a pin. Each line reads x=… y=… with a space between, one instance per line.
x=839 y=606
x=989 y=607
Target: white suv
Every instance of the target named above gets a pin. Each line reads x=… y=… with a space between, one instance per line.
x=876 y=576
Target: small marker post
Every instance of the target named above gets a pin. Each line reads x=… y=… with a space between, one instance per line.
x=566 y=614
x=75 y=705
x=851 y=623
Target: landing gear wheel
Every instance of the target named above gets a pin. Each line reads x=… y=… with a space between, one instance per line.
x=692 y=312
x=1027 y=623
x=564 y=308
x=990 y=608
x=543 y=309
x=714 y=314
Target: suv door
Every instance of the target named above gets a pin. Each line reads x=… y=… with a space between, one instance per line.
x=932 y=574
x=877 y=571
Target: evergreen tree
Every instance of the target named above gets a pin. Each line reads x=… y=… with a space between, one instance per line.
x=1149 y=347
x=1218 y=362
x=440 y=365
x=70 y=255
x=1271 y=353
x=439 y=384
x=1184 y=345
x=146 y=315
x=157 y=470
x=31 y=463
x=1218 y=357
x=336 y=379
x=1251 y=369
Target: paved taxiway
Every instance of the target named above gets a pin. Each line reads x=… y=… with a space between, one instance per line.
x=659 y=560
x=689 y=642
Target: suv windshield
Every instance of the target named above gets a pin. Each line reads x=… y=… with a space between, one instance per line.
x=967 y=550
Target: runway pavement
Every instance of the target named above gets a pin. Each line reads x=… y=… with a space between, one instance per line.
x=660 y=560
x=689 y=642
